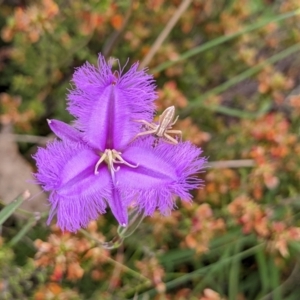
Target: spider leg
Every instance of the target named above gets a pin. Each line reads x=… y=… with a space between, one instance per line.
x=176 y=119
x=177 y=132
x=170 y=139
x=153 y=126
x=143 y=133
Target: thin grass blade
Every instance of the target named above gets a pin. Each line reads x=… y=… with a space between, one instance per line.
x=9 y=209
x=198 y=102
x=223 y=39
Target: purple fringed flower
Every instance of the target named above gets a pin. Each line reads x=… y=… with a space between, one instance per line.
x=95 y=164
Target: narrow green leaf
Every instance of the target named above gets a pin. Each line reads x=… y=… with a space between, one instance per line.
x=32 y=221
x=233 y=112
x=22 y=232
x=9 y=209
x=223 y=39
x=234 y=274
x=263 y=271
x=195 y=274
x=177 y=256
x=275 y=280
x=198 y=102
x=216 y=269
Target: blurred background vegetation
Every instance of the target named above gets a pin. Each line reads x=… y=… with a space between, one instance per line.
x=231 y=68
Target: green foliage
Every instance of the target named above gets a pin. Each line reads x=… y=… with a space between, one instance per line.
x=17 y=282
x=9 y=209
x=231 y=68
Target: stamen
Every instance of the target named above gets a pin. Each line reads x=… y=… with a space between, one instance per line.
x=121 y=160
x=102 y=158
x=112 y=157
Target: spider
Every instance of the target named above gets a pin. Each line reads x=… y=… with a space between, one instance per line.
x=163 y=128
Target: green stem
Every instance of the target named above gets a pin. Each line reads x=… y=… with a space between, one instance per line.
x=135 y=218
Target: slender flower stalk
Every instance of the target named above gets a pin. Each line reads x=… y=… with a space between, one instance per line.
x=94 y=164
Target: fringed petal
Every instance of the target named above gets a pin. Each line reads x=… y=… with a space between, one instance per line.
x=74 y=212
x=106 y=103
x=164 y=173
x=78 y=195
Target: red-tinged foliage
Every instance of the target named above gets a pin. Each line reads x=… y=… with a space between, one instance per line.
x=44 y=41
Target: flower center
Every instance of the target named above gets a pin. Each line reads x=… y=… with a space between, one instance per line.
x=112 y=157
